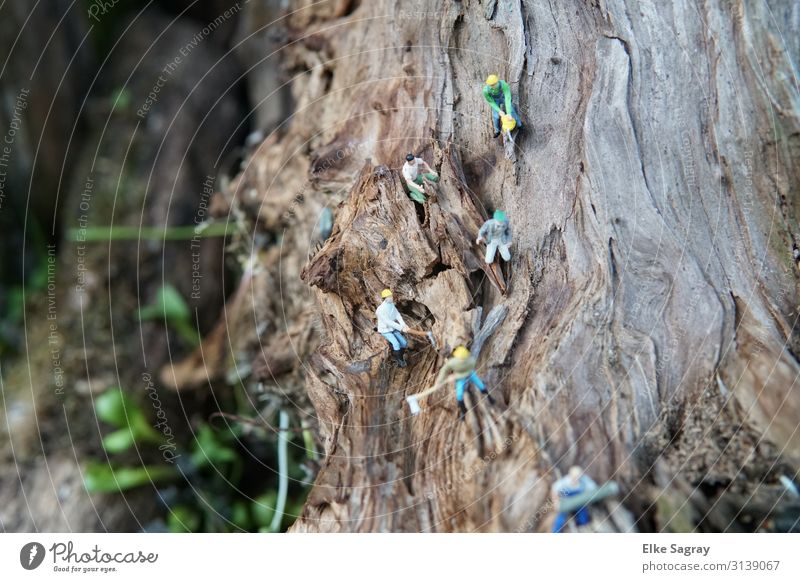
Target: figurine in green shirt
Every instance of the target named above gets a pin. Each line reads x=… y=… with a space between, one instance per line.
x=462 y=367
x=498 y=95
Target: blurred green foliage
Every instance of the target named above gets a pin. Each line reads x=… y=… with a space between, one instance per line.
x=169 y=307
x=18 y=296
x=104 y=478
x=214 y=485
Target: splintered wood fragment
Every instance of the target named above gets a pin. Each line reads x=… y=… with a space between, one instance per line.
x=497 y=277
x=496 y=317
x=509 y=146
x=476 y=321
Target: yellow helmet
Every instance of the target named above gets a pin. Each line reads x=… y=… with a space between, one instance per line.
x=461 y=352
x=509 y=123
x=492 y=80
x=386 y=293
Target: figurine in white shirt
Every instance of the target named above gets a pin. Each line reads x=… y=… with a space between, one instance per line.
x=496 y=233
x=391 y=326
x=415 y=171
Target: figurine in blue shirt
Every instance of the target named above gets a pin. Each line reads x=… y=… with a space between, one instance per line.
x=573 y=483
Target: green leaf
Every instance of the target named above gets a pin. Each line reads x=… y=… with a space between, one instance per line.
x=103 y=478
x=121 y=99
x=240 y=515
x=118 y=441
x=263 y=508
x=170 y=307
x=168 y=304
x=210 y=448
x=183 y=519
x=113 y=407
x=118 y=409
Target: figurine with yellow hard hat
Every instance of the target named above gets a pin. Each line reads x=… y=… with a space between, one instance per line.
x=462 y=367
x=498 y=95
x=391 y=326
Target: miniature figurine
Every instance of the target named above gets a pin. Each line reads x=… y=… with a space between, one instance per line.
x=498 y=95
x=574 y=483
x=496 y=232
x=462 y=366
x=390 y=326
x=414 y=177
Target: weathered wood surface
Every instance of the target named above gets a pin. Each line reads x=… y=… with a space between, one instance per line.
x=652 y=301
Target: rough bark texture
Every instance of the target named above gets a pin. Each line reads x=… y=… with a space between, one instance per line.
x=650 y=332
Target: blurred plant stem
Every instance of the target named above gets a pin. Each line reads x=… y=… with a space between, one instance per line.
x=109 y=233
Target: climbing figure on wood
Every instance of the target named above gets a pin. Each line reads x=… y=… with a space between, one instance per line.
x=415 y=170
x=462 y=368
x=496 y=233
x=391 y=326
x=498 y=95
x=573 y=484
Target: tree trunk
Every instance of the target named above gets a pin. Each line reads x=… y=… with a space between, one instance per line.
x=650 y=318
